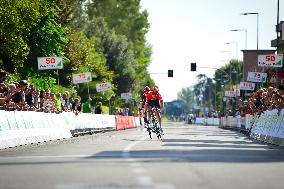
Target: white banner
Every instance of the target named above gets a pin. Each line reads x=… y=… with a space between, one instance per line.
x=270 y=60
x=47 y=63
x=257 y=77
x=126 y=95
x=248 y=86
x=103 y=86
x=230 y=93
x=82 y=77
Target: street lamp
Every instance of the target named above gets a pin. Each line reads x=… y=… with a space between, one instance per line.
x=257 y=14
x=236 y=43
x=246 y=35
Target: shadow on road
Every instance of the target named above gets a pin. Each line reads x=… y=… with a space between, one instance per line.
x=200 y=155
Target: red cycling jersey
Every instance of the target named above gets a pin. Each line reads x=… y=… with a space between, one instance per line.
x=153 y=95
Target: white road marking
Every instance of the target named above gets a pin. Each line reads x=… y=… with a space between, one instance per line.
x=145 y=180
x=43 y=157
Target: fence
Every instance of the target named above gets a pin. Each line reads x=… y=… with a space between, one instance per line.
x=23 y=127
x=267 y=127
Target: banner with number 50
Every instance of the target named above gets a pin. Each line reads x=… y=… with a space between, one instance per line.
x=47 y=63
x=270 y=60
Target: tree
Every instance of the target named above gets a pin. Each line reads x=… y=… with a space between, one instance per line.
x=17 y=18
x=186 y=97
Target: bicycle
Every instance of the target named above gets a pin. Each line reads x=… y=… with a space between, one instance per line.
x=155 y=124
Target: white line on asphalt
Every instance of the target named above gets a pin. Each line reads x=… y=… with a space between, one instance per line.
x=145 y=181
x=43 y=157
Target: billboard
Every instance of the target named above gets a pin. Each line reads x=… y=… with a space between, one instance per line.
x=257 y=77
x=82 y=77
x=270 y=60
x=103 y=86
x=230 y=93
x=247 y=86
x=126 y=96
x=47 y=63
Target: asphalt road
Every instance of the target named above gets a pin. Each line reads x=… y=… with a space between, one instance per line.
x=190 y=156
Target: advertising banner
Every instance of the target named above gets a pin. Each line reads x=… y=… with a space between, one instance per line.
x=270 y=60
x=257 y=77
x=82 y=77
x=126 y=95
x=103 y=86
x=247 y=86
x=47 y=63
x=230 y=93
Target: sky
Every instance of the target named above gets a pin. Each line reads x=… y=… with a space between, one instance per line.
x=186 y=31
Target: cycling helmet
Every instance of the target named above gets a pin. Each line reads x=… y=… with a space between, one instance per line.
x=146 y=89
x=155 y=91
x=155 y=88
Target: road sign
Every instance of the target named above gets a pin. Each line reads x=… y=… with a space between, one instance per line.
x=126 y=96
x=270 y=60
x=82 y=77
x=103 y=86
x=257 y=77
x=47 y=63
x=247 y=86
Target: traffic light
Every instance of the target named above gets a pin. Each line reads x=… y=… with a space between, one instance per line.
x=170 y=73
x=193 y=66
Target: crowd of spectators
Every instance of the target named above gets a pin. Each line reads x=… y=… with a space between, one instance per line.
x=22 y=96
x=262 y=100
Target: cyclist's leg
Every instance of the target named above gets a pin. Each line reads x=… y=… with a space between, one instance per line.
x=158 y=114
x=147 y=112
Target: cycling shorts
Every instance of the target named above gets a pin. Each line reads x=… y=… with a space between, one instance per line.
x=154 y=103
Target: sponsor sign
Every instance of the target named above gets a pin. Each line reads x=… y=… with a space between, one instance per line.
x=257 y=77
x=270 y=60
x=230 y=93
x=247 y=86
x=47 y=63
x=82 y=77
x=126 y=95
x=103 y=86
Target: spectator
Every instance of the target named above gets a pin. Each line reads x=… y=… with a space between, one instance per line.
x=47 y=101
x=76 y=106
x=120 y=113
x=19 y=97
x=98 y=109
x=58 y=100
x=66 y=102
x=126 y=111
x=87 y=106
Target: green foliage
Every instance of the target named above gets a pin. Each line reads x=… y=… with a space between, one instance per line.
x=107 y=39
x=17 y=18
x=12 y=78
x=42 y=82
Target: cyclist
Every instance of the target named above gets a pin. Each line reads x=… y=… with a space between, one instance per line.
x=143 y=95
x=154 y=99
